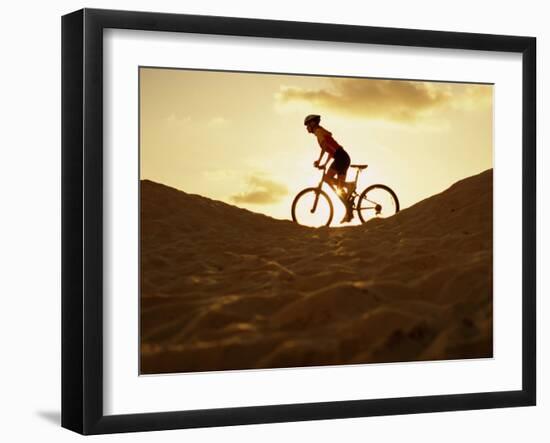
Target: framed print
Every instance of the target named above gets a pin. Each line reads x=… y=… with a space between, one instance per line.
x=268 y=221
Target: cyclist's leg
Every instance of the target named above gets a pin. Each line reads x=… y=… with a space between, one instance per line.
x=337 y=179
x=343 y=184
x=333 y=175
x=348 y=188
x=341 y=165
x=341 y=180
x=330 y=175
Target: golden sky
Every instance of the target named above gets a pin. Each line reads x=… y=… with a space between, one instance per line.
x=240 y=138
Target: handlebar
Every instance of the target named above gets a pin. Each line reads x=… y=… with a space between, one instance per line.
x=360 y=167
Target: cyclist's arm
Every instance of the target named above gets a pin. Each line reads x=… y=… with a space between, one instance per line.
x=320 y=157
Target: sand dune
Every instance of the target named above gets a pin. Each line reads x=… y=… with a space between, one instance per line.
x=225 y=288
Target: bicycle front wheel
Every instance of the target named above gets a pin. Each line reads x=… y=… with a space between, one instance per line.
x=312 y=207
x=377 y=201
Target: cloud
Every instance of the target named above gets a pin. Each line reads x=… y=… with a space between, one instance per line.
x=395 y=100
x=174 y=119
x=261 y=191
x=217 y=122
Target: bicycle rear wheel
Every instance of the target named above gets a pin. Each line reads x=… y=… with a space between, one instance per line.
x=312 y=207
x=377 y=201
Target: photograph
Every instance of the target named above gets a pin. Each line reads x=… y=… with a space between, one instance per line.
x=299 y=220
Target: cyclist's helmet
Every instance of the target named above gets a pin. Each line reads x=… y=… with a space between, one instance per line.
x=312 y=118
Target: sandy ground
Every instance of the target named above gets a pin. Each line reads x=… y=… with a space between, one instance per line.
x=224 y=288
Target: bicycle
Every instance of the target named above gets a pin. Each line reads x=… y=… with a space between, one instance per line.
x=375 y=201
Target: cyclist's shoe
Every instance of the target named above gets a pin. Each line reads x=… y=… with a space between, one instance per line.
x=348 y=217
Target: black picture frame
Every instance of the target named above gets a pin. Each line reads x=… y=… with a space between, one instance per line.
x=82 y=218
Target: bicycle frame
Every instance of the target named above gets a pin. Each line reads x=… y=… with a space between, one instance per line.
x=375 y=197
x=331 y=186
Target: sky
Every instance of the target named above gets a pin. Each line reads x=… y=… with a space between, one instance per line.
x=240 y=138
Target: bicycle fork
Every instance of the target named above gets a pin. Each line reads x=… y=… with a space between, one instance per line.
x=317 y=193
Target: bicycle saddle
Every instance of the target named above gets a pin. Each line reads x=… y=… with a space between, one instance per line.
x=359 y=166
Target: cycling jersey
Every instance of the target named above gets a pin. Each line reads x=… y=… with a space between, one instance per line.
x=326 y=141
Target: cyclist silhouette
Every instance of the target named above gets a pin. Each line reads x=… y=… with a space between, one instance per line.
x=336 y=173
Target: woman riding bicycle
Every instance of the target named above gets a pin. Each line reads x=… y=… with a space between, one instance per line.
x=336 y=173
